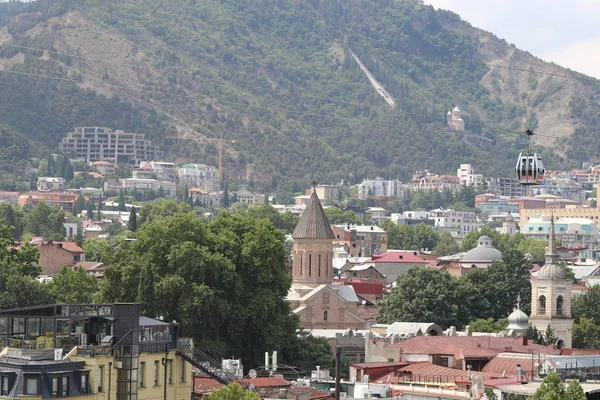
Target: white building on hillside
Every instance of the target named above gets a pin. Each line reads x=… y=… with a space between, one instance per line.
x=200 y=175
x=380 y=187
x=458 y=223
x=468 y=177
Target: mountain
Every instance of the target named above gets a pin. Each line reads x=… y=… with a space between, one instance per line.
x=278 y=76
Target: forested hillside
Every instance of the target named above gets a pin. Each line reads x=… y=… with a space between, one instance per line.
x=277 y=76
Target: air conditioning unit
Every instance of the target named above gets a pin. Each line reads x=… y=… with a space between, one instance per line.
x=367 y=395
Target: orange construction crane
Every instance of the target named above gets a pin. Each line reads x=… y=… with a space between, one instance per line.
x=219 y=141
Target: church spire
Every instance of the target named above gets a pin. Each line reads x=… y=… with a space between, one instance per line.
x=551 y=256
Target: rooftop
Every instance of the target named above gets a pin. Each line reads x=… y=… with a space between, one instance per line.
x=313 y=223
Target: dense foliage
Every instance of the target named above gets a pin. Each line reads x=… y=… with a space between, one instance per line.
x=275 y=75
x=431 y=295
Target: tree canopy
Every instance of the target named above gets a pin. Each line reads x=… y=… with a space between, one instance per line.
x=224 y=281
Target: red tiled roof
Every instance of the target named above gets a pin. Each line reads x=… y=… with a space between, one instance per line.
x=273 y=381
x=579 y=352
x=407 y=257
x=424 y=370
x=366 y=287
x=469 y=346
x=204 y=384
x=71 y=247
x=315 y=394
x=381 y=364
x=497 y=382
x=508 y=365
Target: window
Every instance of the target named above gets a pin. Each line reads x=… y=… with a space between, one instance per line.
x=324 y=315
x=170 y=371
x=64 y=386
x=156 y=373
x=319 y=265
x=310 y=265
x=55 y=386
x=142 y=374
x=32 y=385
x=559 y=305
x=542 y=305
x=100 y=378
x=84 y=382
x=4 y=386
x=181 y=370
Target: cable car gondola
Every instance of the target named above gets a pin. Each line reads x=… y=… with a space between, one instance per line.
x=530 y=168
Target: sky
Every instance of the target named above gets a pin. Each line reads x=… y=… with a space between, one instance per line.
x=566 y=32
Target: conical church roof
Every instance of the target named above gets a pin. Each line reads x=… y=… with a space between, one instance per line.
x=551 y=269
x=313 y=223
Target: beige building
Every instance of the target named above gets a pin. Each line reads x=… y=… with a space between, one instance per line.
x=551 y=298
x=318 y=303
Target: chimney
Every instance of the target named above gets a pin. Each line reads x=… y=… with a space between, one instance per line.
x=519 y=373
x=525 y=341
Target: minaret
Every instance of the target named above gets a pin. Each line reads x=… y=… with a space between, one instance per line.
x=313 y=245
x=551 y=296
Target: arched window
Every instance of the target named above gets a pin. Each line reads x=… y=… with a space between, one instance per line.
x=319 y=265
x=542 y=305
x=560 y=344
x=301 y=263
x=310 y=265
x=324 y=315
x=559 y=305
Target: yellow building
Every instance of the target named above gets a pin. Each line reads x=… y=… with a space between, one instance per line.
x=94 y=351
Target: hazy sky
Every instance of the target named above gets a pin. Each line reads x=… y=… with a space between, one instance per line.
x=566 y=32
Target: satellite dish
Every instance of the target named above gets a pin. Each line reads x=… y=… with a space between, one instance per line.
x=364 y=302
x=252 y=374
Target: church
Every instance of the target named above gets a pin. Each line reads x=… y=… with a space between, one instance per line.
x=551 y=297
x=318 y=303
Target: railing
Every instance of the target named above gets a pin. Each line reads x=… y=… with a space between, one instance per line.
x=204 y=362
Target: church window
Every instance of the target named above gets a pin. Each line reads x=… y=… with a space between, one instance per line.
x=559 y=305
x=301 y=264
x=319 y=265
x=542 y=305
x=324 y=315
x=310 y=265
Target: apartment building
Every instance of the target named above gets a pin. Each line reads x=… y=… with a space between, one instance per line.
x=100 y=143
x=51 y=184
x=64 y=200
x=380 y=187
x=160 y=170
x=468 y=177
x=506 y=187
x=201 y=176
x=458 y=223
x=361 y=240
x=92 y=351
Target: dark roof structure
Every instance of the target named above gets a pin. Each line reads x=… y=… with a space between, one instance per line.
x=313 y=223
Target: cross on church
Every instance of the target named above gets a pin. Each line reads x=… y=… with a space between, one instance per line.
x=314 y=184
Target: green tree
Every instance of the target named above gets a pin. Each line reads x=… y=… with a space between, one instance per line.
x=73 y=286
x=307 y=351
x=146 y=294
x=551 y=388
x=233 y=391
x=574 y=391
x=79 y=205
x=11 y=216
x=508 y=279
x=425 y=236
x=587 y=305
x=536 y=249
x=90 y=210
x=47 y=221
x=79 y=238
x=122 y=205
x=100 y=208
x=446 y=245
x=18 y=270
x=68 y=173
x=132 y=223
x=98 y=250
x=533 y=334
x=337 y=216
x=488 y=325
x=422 y=295
x=162 y=208
x=226 y=196
x=214 y=278
x=586 y=334
x=550 y=336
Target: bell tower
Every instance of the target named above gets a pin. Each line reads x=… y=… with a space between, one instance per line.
x=313 y=246
x=551 y=297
